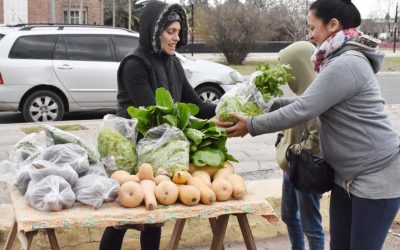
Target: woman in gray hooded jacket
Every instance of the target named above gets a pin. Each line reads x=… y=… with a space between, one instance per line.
x=356 y=136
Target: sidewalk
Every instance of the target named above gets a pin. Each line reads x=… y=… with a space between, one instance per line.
x=257 y=56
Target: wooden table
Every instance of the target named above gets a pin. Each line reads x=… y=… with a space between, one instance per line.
x=28 y=220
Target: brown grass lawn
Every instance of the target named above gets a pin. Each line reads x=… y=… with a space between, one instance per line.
x=390 y=64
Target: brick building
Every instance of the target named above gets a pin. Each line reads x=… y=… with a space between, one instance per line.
x=38 y=11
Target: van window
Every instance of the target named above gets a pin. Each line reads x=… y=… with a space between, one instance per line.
x=33 y=47
x=124 y=44
x=89 y=48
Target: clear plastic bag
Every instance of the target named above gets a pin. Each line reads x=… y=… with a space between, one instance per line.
x=42 y=169
x=94 y=190
x=57 y=136
x=23 y=178
x=51 y=194
x=243 y=99
x=26 y=147
x=116 y=143
x=8 y=171
x=69 y=153
x=96 y=169
x=164 y=147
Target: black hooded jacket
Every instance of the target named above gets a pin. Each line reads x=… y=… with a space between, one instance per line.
x=148 y=68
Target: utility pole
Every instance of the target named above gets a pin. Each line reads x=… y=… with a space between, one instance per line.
x=52 y=6
x=81 y=12
x=113 y=12
x=395 y=29
x=192 y=5
x=130 y=14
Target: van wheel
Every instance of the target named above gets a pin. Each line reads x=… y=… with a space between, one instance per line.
x=43 y=106
x=209 y=94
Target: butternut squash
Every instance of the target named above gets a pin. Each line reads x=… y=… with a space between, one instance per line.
x=150 y=200
x=121 y=176
x=210 y=170
x=159 y=178
x=207 y=195
x=189 y=195
x=239 y=186
x=202 y=174
x=145 y=172
x=223 y=173
x=223 y=189
x=167 y=192
x=181 y=177
x=130 y=194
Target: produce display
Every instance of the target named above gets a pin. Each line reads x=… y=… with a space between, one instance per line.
x=251 y=98
x=179 y=159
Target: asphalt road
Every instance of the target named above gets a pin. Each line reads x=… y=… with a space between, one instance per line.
x=390 y=87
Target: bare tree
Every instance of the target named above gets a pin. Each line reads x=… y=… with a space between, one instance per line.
x=231 y=27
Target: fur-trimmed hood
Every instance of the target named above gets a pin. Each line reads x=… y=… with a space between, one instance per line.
x=152 y=21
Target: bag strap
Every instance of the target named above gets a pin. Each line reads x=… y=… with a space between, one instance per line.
x=303 y=134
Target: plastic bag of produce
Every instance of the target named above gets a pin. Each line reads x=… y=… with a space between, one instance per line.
x=94 y=190
x=57 y=136
x=96 y=169
x=69 y=153
x=26 y=147
x=50 y=194
x=8 y=171
x=243 y=99
x=23 y=178
x=42 y=169
x=164 y=147
x=116 y=143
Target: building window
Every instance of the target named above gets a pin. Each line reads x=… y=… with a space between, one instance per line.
x=74 y=16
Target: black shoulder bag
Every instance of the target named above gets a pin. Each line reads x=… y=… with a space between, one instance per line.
x=308 y=172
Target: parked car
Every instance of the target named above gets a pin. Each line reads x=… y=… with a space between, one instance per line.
x=46 y=70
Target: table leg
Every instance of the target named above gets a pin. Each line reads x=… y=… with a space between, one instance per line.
x=213 y=224
x=176 y=234
x=219 y=233
x=29 y=237
x=52 y=238
x=11 y=236
x=246 y=231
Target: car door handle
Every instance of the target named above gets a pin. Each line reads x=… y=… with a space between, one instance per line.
x=64 y=66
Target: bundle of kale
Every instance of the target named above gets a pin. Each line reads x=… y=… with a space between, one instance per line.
x=251 y=98
x=207 y=141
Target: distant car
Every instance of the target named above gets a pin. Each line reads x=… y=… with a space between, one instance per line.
x=46 y=70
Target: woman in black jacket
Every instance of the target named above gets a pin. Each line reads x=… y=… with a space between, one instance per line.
x=163 y=28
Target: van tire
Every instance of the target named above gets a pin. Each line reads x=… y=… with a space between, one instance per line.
x=43 y=106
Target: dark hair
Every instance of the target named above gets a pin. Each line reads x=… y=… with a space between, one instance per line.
x=343 y=10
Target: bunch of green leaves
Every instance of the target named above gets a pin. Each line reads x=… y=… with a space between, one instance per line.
x=207 y=141
x=165 y=111
x=271 y=78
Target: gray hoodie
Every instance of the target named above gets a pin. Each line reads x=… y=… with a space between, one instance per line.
x=356 y=136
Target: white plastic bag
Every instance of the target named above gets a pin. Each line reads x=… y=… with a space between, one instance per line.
x=25 y=148
x=116 y=143
x=42 y=169
x=57 y=136
x=51 y=194
x=94 y=190
x=8 y=171
x=164 y=147
x=69 y=153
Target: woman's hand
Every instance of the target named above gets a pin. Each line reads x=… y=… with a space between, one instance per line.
x=240 y=128
x=221 y=124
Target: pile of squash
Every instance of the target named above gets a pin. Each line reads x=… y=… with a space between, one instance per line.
x=200 y=184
